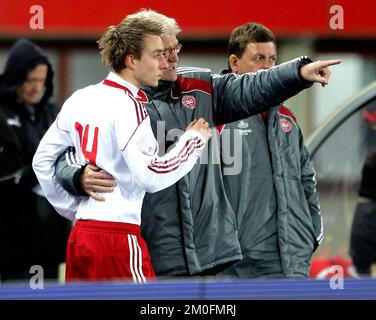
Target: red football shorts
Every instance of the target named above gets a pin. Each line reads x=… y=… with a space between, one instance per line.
x=102 y=250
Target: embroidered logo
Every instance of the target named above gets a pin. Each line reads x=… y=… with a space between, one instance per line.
x=14 y=122
x=242 y=125
x=244 y=132
x=286 y=125
x=189 y=102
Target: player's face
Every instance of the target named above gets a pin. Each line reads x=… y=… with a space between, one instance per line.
x=256 y=56
x=32 y=90
x=170 y=43
x=150 y=66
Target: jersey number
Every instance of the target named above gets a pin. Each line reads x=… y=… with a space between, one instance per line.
x=89 y=155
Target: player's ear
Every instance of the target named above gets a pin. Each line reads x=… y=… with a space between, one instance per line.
x=130 y=61
x=233 y=63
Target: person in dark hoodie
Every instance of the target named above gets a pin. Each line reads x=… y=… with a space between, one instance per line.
x=31 y=232
x=363 y=231
x=10 y=159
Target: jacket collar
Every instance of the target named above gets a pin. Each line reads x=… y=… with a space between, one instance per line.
x=164 y=88
x=114 y=80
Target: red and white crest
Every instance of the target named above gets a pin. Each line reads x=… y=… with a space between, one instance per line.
x=285 y=124
x=189 y=102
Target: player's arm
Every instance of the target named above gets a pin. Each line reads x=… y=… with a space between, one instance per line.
x=151 y=171
x=54 y=143
x=237 y=97
x=155 y=173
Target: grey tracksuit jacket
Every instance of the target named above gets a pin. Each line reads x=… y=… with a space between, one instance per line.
x=273 y=196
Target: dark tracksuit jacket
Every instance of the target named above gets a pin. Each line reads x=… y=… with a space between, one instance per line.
x=190 y=227
x=10 y=158
x=31 y=232
x=363 y=237
x=363 y=230
x=273 y=196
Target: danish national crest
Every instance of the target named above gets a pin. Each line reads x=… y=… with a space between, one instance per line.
x=189 y=102
x=285 y=124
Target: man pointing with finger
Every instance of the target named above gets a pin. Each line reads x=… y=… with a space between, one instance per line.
x=274 y=194
x=190 y=227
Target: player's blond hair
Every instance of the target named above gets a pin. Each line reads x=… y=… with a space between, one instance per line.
x=170 y=25
x=127 y=38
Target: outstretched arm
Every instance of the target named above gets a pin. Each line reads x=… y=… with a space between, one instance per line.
x=318 y=71
x=237 y=97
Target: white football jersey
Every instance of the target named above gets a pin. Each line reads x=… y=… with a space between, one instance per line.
x=110 y=128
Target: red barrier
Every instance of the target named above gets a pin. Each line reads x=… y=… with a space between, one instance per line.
x=198 y=18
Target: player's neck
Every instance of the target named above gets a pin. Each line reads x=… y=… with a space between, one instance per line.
x=128 y=76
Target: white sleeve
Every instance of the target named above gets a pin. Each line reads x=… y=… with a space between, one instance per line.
x=52 y=145
x=155 y=173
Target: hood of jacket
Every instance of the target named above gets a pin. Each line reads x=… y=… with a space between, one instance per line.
x=23 y=58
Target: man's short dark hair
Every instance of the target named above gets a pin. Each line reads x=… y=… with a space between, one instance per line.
x=246 y=33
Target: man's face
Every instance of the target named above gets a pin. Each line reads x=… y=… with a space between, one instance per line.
x=32 y=90
x=150 y=66
x=170 y=43
x=256 y=56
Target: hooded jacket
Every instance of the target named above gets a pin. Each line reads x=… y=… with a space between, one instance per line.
x=190 y=227
x=31 y=232
x=10 y=158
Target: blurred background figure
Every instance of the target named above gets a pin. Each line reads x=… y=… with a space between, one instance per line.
x=31 y=232
x=369 y=118
x=363 y=232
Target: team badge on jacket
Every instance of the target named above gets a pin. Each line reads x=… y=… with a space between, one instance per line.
x=189 y=102
x=286 y=125
x=242 y=124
